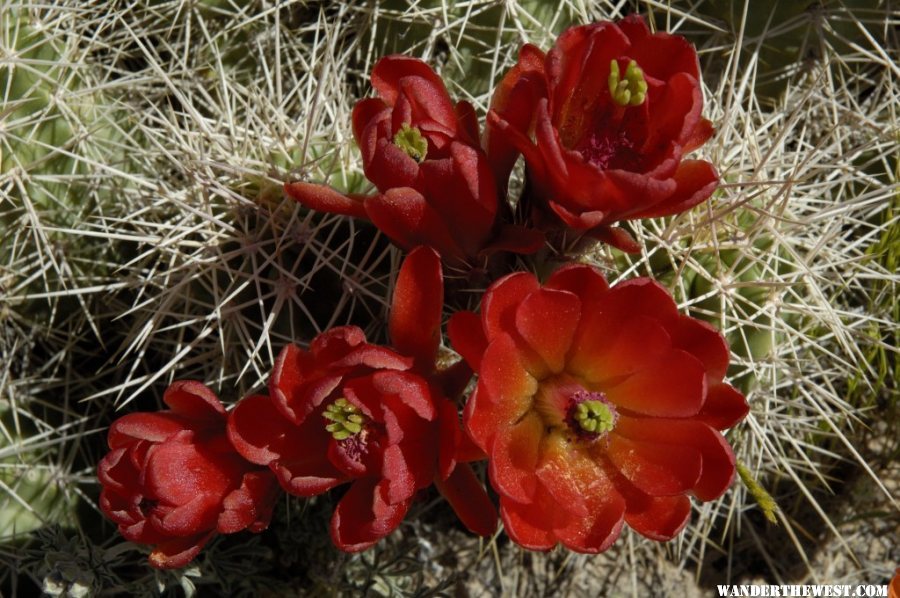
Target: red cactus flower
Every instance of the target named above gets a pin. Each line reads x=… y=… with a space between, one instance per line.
x=603 y=121
x=596 y=406
x=173 y=480
x=349 y=411
x=421 y=151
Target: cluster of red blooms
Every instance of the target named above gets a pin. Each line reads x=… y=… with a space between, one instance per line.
x=595 y=406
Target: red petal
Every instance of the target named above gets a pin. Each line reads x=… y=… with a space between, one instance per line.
x=309 y=477
x=197 y=515
x=675 y=114
x=614 y=352
x=641 y=296
x=418 y=445
x=547 y=319
x=118 y=474
x=468 y=123
x=415 y=317
x=505 y=391
x=193 y=401
x=390 y=167
x=410 y=389
x=363 y=516
x=395 y=74
x=142 y=532
x=616 y=237
x=656 y=469
x=695 y=179
x=603 y=525
x=177 y=472
x=701 y=133
x=578 y=69
x=548 y=144
x=325 y=199
x=586 y=282
x=514 y=102
x=724 y=407
x=249 y=505
x=527 y=525
x=404 y=215
x=501 y=300
x=364 y=113
x=375 y=357
x=646 y=192
x=556 y=474
x=579 y=220
x=660 y=55
x=152 y=427
x=659 y=518
x=635 y=27
x=704 y=342
x=400 y=481
x=333 y=344
x=505 y=142
x=176 y=553
x=514 y=457
x=257 y=430
x=461 y=190
x=465 y=493
x=718 y=459
x=583 y=492
x=291 y=371
x=467 y=337
x=297 y=454
x=672 y=386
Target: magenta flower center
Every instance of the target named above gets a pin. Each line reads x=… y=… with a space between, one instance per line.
x=609 y=148
x=590 y=415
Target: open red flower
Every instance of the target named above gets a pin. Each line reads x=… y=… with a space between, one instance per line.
x=603 y=122
x=172 y=479
x=349 y=411
x=421 y=151
x=596 y=406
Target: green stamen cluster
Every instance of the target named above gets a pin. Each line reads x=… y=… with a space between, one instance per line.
x=631 y=91
x=594 y=417
x=346 y=418
x=411 y=141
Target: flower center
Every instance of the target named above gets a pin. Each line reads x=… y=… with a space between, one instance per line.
x=630 y=91
x=607 y=149
x=346 y=419
x=591 y=415
x=147 y=505
x=411 y=141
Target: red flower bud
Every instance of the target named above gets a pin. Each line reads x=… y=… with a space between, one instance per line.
x=603 y=122
x=596 y=406
x=173 y=480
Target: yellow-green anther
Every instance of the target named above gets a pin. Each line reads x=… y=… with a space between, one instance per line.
x=595 y=417
x=630 y=91
x=346 y=418
x=411 y=141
